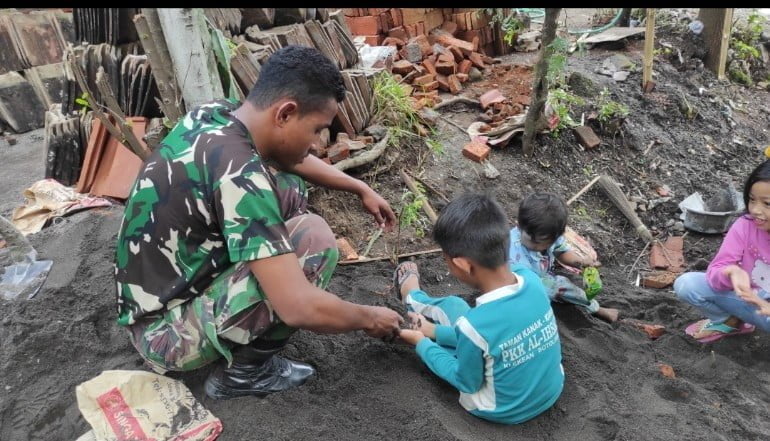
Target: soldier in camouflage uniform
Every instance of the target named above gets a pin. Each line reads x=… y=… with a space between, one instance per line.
x=217 y=255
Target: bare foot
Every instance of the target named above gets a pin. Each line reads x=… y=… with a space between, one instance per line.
x=409 y=277
x=608 y=314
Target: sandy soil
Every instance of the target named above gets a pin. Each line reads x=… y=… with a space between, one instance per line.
x=366 y=389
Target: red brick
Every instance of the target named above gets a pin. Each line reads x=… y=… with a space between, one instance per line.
x=476 y=151
x=672 y=259
x=476 y=59
x=398 y=19
x=443 y=83
x=433 y=85
x=446 y=68
x=458 y=54
x=449 y=26
x=468 y=35
x=392 y=41
x=386 y=20
x=373 y=40
x=446 y=39
x=586 y=137
x=658 y=279
x=464 y=67
x=402 y=67
x=666 y=370
x=433 y=94
x=491 y=97
x=347 y=252
x=338 y=152
x=398 y=32
x=425 y=79
x=653 y=331
x=454 y=84
x=422 y=41
x=462 y=77
x=429 y=67
x=368 y=25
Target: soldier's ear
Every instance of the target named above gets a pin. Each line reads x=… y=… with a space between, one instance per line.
x=285 y=111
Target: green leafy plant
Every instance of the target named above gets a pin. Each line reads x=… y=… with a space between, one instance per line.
x=393 y=108
x=745 y=41
x=609 y=109
x=510 y=24
x=83 y=101
x=557 y=63
x=411 y=210
x=562 y=101
x=435 y=146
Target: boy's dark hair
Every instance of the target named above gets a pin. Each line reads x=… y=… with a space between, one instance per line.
x=543 y=216
x=301 y=73
x=474 y=226
x=761 y=173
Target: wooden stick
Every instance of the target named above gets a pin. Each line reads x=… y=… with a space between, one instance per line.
x=374 y=238
x=583 y=190
x=426 y=207
x=448 y=121
x=647 y=245
x=649 y=46
x=652 y=143
x=400 y=256
x=365 y=157
x=112 y=104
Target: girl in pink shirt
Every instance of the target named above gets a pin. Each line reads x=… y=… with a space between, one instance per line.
x=733 y=293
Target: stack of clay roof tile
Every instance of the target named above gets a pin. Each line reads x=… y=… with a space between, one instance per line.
x=31 y=73
x=109 y=167
x=329 y=34
x=105 y=25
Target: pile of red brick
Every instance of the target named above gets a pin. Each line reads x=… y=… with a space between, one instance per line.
x=342 y=148
x=377 y=24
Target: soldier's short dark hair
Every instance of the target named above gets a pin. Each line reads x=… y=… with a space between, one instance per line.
x=301 y=73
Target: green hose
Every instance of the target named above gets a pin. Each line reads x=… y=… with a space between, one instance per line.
x=540 y=12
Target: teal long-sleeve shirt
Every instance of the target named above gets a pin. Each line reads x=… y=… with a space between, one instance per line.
x=504 y=355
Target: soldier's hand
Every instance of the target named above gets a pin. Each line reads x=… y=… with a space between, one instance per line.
x=385 y=323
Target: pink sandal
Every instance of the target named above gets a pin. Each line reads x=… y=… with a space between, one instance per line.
x=722 y=330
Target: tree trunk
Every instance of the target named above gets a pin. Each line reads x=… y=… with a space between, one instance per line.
x=154 y=44
x=540 y=85
x=625 y=18
x=192 y=54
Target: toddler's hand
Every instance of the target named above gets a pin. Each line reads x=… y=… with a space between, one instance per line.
x=411 y=336
x=420 y=323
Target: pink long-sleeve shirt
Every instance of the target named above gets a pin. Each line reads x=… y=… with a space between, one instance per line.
x=744 y=245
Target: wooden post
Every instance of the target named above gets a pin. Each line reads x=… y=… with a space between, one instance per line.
x=540 y=84
x=649 y=46
x=151 y=36
x=717 y=25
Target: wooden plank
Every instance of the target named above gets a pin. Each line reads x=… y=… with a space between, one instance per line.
x=649 y=45
x=717 y=25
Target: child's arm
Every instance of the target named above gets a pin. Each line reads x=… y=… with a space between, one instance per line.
x=572 y=258
x=762 y=305
x=730 y=254
x=464 y=371
x=441 y=334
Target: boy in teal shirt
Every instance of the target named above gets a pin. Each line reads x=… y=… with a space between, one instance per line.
x=504 y=354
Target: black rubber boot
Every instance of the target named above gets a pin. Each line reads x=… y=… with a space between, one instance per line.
x=256 y=371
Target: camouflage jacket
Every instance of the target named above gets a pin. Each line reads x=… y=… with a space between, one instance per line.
x=204 y=200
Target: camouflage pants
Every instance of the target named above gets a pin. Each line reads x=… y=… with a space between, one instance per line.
x=234 y=310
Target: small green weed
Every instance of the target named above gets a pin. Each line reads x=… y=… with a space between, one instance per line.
x=411 y=210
